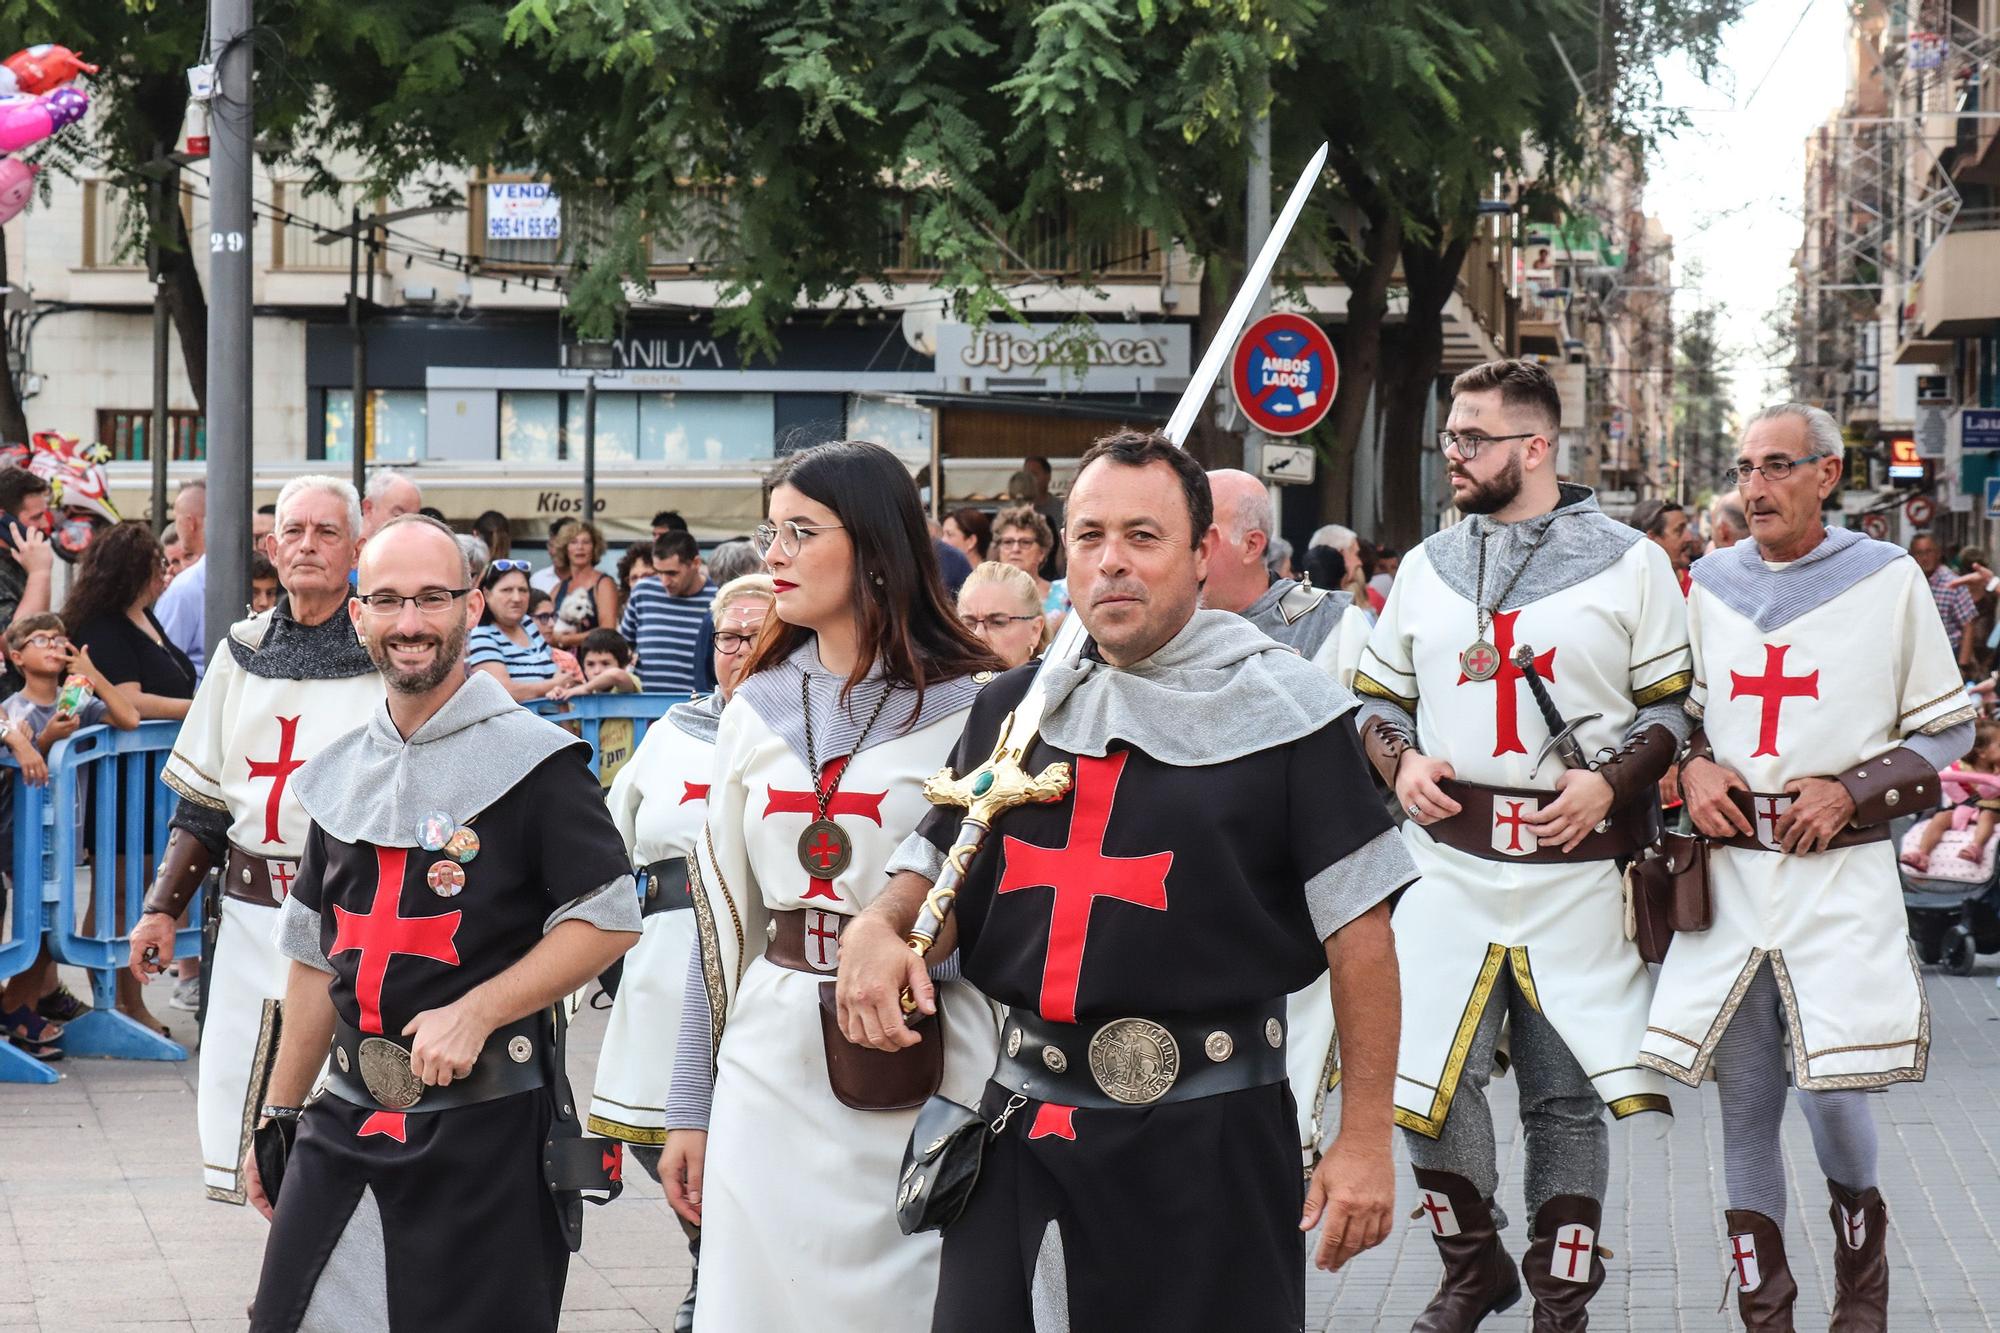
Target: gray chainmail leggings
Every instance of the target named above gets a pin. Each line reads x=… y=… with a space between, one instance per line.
x=1751 y=1068
x=1562 y=1117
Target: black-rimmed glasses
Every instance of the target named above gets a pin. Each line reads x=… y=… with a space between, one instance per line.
x=1774 y=469
x=431 y=601
x=1468 y=446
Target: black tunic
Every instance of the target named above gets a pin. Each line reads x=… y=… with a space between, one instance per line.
x=1150 y=890
x=472 y=1239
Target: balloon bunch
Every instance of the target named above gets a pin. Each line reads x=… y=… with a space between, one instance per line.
x=36 y=100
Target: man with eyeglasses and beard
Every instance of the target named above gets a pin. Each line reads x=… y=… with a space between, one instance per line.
x=1828 y=697
x=461 y=875
x=280 y=687
x=1521 y=843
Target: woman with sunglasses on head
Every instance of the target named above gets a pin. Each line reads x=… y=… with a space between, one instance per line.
x=659 y=800
x=508 y=645
x=854 y=698
x=998 y=604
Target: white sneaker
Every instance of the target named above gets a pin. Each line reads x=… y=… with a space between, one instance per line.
x=187 y=995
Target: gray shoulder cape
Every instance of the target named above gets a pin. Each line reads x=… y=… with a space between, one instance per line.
x=838 y=724
x=1769 y=598
x=699 y=718
x=373 y=786
x=277 y=647
x=1218 y=690
x=1581 y=540
x=1298 y=614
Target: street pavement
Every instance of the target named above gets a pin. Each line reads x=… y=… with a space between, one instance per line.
x=103 y=1225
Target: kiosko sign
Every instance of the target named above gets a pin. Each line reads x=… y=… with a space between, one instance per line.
x=1096 y=358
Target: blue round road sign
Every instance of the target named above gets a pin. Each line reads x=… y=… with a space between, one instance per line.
x=1284 y=374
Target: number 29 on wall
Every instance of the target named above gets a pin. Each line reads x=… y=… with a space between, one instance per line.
x=220 y=242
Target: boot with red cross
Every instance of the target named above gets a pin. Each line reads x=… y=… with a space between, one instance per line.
x=1562 y=1265
x=1860 y=1266
x=1478 y=1277
x=1765 y=1288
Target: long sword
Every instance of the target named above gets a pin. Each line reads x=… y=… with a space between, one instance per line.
x=1001 y=783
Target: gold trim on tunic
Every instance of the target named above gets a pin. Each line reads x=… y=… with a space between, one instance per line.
x=616 y=1129
x=1432 y=1126
x=1639 y=1103
x=1524 y=976
x=1367 y=685
x=181 y=788
x=1666 y=688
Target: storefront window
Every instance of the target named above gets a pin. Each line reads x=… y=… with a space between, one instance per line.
x=396 y=434
x=901 y=428
x=692 y=429
x=531 y=427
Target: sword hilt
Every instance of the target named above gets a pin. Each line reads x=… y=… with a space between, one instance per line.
x=1524 y=662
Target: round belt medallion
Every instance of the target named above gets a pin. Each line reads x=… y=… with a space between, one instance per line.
x=824 y=849
x=385 y=1071
x=1480 y=662
x=1134 y=1060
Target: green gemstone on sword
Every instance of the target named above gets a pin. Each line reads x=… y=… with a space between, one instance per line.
x=982 y=784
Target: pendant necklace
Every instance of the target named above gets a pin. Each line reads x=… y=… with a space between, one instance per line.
x=824 y=847
x=1481 y=661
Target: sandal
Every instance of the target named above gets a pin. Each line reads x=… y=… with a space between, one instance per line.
x=26 y=1028
x=48 y=1054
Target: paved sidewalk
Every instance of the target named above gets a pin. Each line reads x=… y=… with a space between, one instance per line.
x=103 y=1225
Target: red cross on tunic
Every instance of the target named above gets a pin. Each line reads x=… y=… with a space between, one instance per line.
x=694 y=791
x=1513 y=819
x=1576 y=1245
x=819 y=934
x=1768 y=811
x=1080 y=873
x=867 y=804
x=1507 y=696
x=279 y=770
x=1438 y=1211
x=1772 y=688
x=282 y=877
x=383 y=932
x=1744 y=1259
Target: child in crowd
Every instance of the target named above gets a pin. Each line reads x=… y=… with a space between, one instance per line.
x=263 y=585
x=1981 y=809
x=607 y=659
x=48 y=709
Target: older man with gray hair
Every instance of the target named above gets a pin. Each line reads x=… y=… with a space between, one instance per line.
x=390 y=495
x=1816 y=652
x=280 y=687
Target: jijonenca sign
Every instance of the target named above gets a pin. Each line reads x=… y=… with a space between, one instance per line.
x=1102 y=358
x=1007 y=351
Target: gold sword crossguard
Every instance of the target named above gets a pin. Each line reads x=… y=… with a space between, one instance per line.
x=986 y=793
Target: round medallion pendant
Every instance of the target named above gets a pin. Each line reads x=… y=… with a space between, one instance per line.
x=824 y=849
x=1134 y=1061
x=1480 y=662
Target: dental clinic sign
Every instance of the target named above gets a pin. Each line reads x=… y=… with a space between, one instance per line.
x=1004 y=357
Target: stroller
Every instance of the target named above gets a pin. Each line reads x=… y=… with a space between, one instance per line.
x=1953 y=905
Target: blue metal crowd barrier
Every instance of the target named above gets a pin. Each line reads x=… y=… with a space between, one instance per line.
x=80 y=881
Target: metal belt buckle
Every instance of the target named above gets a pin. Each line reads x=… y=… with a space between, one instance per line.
x=1134 y=1060
x=385 y=1071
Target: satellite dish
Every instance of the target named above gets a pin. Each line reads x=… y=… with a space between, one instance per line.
x=920 y=330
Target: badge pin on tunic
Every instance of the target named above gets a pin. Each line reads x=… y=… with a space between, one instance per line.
x=446 y=879
x=463 y=845
x=434 y=830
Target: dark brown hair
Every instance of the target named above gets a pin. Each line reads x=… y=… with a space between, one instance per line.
x=905 y=620
x=1138 y=448
x=118 y=565
x=1522 y=383
x=976 y=524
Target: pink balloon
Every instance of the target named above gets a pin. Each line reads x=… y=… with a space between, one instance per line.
x=17 y=187
x=30 y=120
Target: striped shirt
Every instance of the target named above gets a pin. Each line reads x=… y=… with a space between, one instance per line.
x=489 y=644
x=1954 y=605
x=662 y=630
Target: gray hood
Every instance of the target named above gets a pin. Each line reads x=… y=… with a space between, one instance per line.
x=373 y=786
x=700 y=718
x=1581 y=540
x=1218 y=690
x=1769 y=598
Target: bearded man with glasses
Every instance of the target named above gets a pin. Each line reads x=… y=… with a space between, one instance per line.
x=1828 y=698
x=279 y=688
x=1537 y=608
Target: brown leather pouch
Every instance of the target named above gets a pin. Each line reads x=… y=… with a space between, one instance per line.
x=870 y=1080
x=1668 y=891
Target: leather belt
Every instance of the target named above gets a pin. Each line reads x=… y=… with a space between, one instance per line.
x=1489 y=825
x=666 y=887
x=1774 y=805
x=246 y=877
x=793 y=930
x=1125 y=1062
x=374 y=1072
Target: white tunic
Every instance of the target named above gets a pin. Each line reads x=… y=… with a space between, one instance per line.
x=1609 y=645
x=659 y=801
x=798 y=1225
x=1839 y=684
x=244 y=738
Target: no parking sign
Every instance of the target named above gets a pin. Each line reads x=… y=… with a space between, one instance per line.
x=1284 y=374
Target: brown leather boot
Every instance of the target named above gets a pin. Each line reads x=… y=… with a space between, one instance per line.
x=1478 y=1277
x=1860 y=1267
x=1562 y=1264
x=1764 y=1286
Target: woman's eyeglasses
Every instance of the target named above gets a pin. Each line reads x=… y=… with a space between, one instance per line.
x=729 y=643
x=788 y=536
x=991 y=624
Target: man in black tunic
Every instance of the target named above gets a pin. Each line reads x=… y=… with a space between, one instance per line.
x=1219 y=847
x=461 y=874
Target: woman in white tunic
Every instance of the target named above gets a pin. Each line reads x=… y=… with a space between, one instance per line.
x=854 y=698
x=660 y=801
